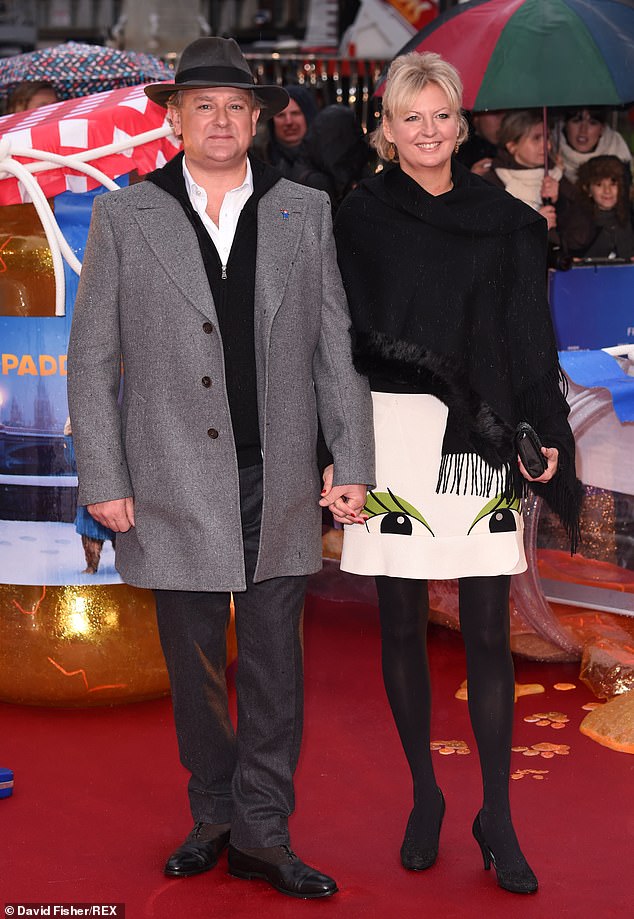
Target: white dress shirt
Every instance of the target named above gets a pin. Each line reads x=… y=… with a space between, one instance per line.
x=230 y=210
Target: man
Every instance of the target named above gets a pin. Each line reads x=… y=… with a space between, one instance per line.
x=215 y=284
x=278 y=142
x=481 y=147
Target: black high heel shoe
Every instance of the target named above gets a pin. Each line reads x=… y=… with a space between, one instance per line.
x=415 y=857
x=520 y=879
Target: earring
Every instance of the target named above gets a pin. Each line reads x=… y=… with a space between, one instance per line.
x=456 y=148
x=392 y=152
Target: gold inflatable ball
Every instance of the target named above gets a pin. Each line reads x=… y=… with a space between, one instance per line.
x=612 y=724
x=80 y=646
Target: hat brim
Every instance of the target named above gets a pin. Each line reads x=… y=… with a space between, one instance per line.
x=274 y=98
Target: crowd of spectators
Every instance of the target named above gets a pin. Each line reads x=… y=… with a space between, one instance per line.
x=581 y=185
x=583 y=190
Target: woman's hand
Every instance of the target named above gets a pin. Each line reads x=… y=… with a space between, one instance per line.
x=550 y=189
x=346 y=502
x=552 y=455
x=548 y=211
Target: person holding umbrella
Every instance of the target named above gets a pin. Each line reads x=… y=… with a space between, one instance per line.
x=446 y=281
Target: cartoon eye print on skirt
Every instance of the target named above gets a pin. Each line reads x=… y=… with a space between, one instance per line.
x=499 y=515
x=391 y=514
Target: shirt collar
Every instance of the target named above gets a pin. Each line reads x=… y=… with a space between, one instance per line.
x=192 y=186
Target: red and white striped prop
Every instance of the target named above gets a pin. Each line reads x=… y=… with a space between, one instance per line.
x=116 y=132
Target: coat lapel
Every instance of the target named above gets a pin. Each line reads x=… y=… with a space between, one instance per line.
x=173 y=241
x=281 y=216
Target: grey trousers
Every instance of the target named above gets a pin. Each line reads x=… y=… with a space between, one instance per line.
x=244 y=777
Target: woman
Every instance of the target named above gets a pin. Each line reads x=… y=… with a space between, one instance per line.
x=585 y=134
x=31 y=94
x=599 y=224
x=446 y=276
x=519 y=166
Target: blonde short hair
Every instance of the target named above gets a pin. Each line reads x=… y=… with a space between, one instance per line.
x=408 y=74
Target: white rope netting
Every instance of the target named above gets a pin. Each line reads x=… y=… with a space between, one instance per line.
x=77 y=162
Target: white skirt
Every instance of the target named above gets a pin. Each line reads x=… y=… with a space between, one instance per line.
x=415 y=532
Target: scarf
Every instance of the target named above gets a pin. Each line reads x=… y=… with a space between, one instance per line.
x=610 y=144
x=526 y=184
x=448 y=296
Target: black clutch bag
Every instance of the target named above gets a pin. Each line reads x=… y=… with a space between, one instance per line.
x=529 y=448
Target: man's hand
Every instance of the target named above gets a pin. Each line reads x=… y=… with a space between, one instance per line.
x=345 y=501
x=482 y=166
x=117 y=515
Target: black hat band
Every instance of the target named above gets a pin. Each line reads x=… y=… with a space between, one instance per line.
x=229 y=75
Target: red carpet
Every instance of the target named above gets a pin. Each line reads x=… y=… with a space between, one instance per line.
x=100 y=801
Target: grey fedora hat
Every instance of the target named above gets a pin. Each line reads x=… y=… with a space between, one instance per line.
x=209 y=62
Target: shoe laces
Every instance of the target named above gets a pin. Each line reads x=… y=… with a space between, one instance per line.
x=195 y=833
x=289 y=853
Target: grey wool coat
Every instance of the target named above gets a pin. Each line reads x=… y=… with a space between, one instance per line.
x=144 y=302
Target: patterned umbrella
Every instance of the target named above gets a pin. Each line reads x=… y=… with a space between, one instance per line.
x=77 y=69
x=534 y=53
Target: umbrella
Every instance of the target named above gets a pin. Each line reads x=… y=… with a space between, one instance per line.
x=535 y=53
x=76 y=69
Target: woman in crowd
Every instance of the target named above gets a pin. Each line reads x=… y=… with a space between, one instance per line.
x=445 y=276
x=31 y=94
x=599 y=224
x=585 y=134
x=519 y=166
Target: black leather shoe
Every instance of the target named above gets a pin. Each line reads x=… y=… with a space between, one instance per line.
x=196 y=854
x=292 y=877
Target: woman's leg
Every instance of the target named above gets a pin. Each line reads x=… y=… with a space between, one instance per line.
x=484 y=621
x=404 y=611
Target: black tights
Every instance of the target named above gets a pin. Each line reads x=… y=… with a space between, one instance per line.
x=484 y=621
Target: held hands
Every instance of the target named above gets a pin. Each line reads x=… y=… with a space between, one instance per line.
x=345 y=501
x=117 y=515
x=552 y=455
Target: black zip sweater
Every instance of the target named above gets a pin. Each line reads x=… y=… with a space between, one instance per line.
x=233 y=289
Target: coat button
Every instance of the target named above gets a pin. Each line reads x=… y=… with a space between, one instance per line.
x=213 y=433
x=206 y=381
x=208 y=327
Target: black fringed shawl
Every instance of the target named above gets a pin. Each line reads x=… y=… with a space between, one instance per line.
x=448 y=296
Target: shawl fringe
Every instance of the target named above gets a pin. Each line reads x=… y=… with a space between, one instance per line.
x=565 y=497
x=469 y=474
